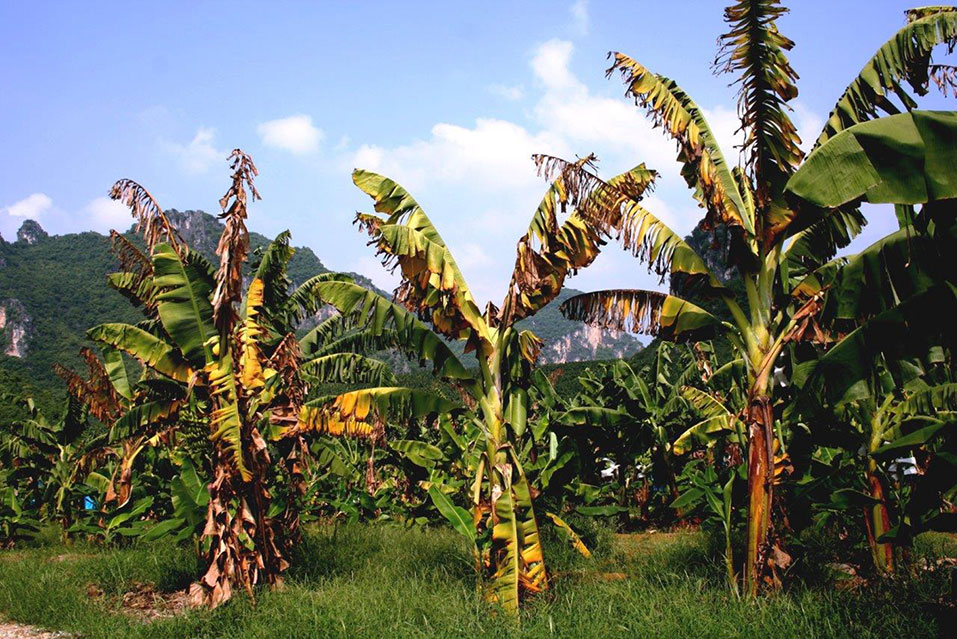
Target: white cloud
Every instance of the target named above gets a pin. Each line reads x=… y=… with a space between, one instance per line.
x=105 y=214
x=808 y=123
x=724 y=123
x=479 y=186
x=493 y=153
x=343 y=144
x=295 y=134
x=594 y=123
x=32 y=206
x=199 y=154
x=579 y=11
x=510 y=93
x=369 y=157
x=550 y=64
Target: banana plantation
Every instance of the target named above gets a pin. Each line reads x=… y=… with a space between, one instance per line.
x=780 y=457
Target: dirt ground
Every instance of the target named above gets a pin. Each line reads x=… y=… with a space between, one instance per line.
x=10 y=630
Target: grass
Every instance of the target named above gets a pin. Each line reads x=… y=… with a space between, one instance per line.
x=382 y=581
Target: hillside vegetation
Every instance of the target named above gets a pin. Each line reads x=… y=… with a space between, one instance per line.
x=55 y=286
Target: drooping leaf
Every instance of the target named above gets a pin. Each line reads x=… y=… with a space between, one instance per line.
x=905 y=57
x=915 y=439
x=137 y=290
x=515 y=538
x=363 y=413
x=573 y=537
x=506 y=544
x=378 y=316
x=903 y=159
x=894 y=268
x=344 y=368
x=890 y=340
x=147 y=348
x=303 y=302
x=96 y=392
x=151 y=222
x=183 y=292
x=226 y=422
x=666 y=252
x=642 y=312
x=150 y=414
x=251 y=374
x=930 y=400
x=703 y=165
x=432 y=283
x=717 y=419
x=458 y=517
x=550 y=251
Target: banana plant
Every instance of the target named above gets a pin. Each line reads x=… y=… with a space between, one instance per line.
x=190 y=501
x=18 y=522
x=637 y=413
x=887 y=379
x=212 y=360
x=773 y=242
x=712 y=494
x=882 y=381
x=878 y=432
x=434 y=289
x=224 y=354
x=48 y=460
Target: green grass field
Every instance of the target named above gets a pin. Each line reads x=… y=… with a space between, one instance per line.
x=379 y=581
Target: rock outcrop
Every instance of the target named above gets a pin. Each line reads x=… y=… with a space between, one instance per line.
x=588 y=342
x=31 y=232
x=15 y=328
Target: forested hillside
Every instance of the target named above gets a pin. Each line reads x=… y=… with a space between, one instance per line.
x=53 y=288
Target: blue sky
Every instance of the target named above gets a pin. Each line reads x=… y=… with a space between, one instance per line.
x=449 y=99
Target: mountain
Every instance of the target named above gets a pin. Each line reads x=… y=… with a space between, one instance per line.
x=568 y=341
x=201 y=232
x=53 y=288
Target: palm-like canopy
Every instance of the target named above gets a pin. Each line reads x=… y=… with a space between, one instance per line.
x=434 y=293
x=218 y=350
x=774 y=244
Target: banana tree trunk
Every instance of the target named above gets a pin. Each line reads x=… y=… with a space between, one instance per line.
x=878 y=522
x=293 y=453
x=624 y=517
x=515 y=560
x=760 y=420
x=663 y=461
x=729 y=561
x=244 y=546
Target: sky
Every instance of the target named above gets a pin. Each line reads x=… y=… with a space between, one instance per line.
x=450 y=99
